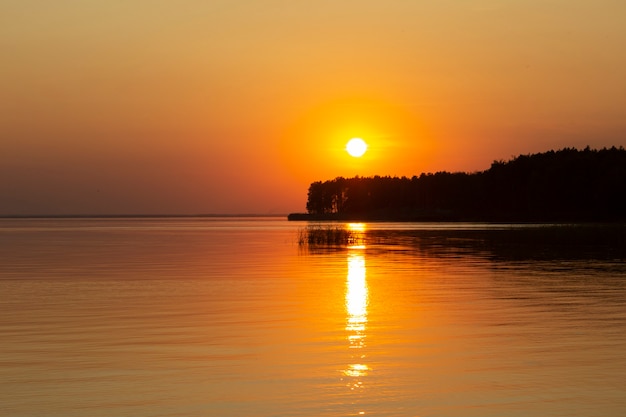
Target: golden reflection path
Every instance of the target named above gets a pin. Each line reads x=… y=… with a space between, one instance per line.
x=356 y=308
x=357 y=235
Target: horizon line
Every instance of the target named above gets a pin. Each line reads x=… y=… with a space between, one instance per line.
x=130 y=216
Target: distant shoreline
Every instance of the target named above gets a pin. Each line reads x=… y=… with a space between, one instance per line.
x=305 y=217
x=134 y=216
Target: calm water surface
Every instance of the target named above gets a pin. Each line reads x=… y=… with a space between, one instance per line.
x=231 y=317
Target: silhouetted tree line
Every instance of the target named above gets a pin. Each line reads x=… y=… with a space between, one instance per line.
x=563 y=185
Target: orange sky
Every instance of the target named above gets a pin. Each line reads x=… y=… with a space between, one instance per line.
x=187 y=107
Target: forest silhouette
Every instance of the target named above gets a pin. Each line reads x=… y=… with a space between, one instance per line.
x=567 y=185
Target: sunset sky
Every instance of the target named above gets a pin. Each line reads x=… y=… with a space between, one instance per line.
x=189 y=106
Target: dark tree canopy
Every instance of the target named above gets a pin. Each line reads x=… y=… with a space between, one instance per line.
x=564 y=185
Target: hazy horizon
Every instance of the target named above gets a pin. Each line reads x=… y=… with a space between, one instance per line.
x=260 y=214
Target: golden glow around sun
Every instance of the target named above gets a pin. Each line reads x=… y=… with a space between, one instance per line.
x=356 y=147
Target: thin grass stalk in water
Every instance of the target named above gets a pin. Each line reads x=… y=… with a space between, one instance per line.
x=325 y=236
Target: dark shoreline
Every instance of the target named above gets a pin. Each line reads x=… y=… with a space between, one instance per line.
x=444 y=217
x=568 y=185
x=369 y=217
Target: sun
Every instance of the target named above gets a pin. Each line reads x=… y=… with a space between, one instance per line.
x=356 y=147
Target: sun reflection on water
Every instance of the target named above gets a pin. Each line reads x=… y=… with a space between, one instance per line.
x=356 y=309
x=357 y=235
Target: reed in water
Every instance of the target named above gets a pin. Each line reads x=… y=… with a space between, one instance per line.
x=327 y=236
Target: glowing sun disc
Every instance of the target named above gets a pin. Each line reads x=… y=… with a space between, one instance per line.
x=356 y=147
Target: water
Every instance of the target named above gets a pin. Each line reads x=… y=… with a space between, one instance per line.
x=231 y=317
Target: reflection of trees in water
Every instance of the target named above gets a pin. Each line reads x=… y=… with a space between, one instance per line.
x=552 y=268
x=495 y=243
x=511 y=244
x=557 y=259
